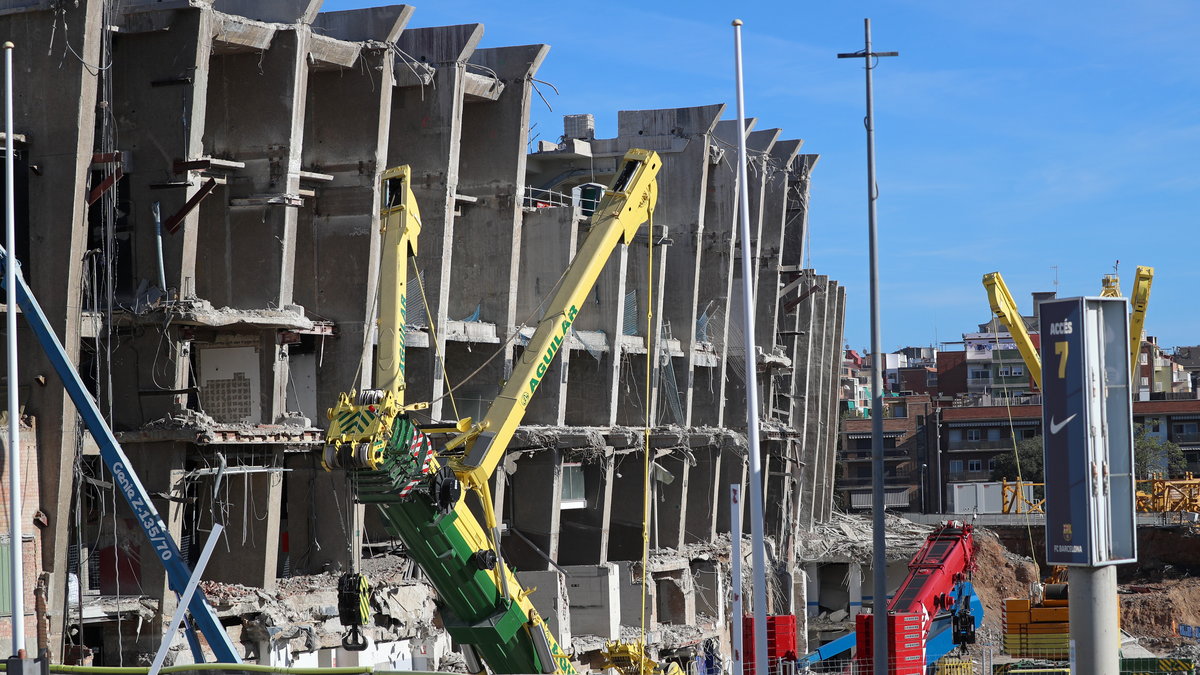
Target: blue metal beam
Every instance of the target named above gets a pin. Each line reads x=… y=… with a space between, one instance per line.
x=124 y=476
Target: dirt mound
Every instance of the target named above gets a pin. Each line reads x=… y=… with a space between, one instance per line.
x=999 y=574
x=1155 y=616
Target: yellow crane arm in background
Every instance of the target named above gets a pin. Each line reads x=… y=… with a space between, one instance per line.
x=624 y=208
x=1138 y=302
x=1005 y=309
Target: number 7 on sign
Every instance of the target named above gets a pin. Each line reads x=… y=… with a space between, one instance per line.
x=1062 y=348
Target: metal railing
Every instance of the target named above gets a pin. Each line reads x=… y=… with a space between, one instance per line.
x=537 y=198
x=1154 y=495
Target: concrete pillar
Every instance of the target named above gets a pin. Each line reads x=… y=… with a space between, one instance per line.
x=812 y=585
x=832 y=367
x=758 y=148
x=425 y=132
x=717 y=258
x=629 y=580
x=676 y=597
x=551 y=601
x=800 y=588
x=248 y=505
x=324 y=525
x=338 y=239
x=487 y=236
x=672 y=502
x=595 y=600
x=548 y=243
x=628 y=506
x=706 y=495
x=855 y=584
x=584 y=533
x=818 y=431
x=61 y=146
x=710 y=581
x=533 y=509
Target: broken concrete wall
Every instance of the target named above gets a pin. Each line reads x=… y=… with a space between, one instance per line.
x=260 y=130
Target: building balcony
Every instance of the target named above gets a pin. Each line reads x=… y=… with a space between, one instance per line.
x=1186 y=438
x=890 y=482
x=889 y=455
x=967 y=446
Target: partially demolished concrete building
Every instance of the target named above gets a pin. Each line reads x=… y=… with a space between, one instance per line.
x=257 y=130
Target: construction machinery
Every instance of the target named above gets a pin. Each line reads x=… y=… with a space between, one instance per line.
x=934 y=610
x=125 y=478
x=420 y=486
x=1005 y=309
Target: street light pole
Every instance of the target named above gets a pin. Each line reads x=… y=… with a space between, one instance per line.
x=878 y=560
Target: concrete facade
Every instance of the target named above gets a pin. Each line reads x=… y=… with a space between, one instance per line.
x=259 y=129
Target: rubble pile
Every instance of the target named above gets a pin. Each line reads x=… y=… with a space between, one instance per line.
x=302 y=611
x=848 y=538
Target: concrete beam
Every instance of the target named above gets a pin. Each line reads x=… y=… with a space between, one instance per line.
x=377 y=24
x=272 y=11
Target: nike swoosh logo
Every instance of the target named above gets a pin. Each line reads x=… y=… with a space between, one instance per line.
x=1057 y=427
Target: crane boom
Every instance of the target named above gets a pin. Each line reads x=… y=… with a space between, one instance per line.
x=623 y=209
x=1005 y=309
x=419 y=489
x=1142 y=281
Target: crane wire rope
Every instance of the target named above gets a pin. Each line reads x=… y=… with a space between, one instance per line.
x=437 y=347
x=499 y=350
x=1012 y=434
x=650 y=337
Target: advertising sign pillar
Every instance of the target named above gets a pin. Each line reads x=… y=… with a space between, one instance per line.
x=1087 y=424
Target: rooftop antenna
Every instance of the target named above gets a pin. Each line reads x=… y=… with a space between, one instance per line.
x=1055 y=268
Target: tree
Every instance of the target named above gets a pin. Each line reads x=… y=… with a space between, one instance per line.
x=1029 y=451
x=1152 y=454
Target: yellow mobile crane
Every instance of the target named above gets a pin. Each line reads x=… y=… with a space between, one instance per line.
x=1005 y=309
x=420 y=488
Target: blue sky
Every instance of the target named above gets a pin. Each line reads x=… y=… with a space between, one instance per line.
x=1012 y=136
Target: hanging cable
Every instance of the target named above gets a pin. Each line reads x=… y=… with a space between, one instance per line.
x=646 y=431
x=437 y=347
x=1012 y=433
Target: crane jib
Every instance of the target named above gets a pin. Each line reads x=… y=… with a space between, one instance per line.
x=551 y=351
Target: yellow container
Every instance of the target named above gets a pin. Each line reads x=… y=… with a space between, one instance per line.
x=1050 y=614
x=1014 y=618
x=1016 y=605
